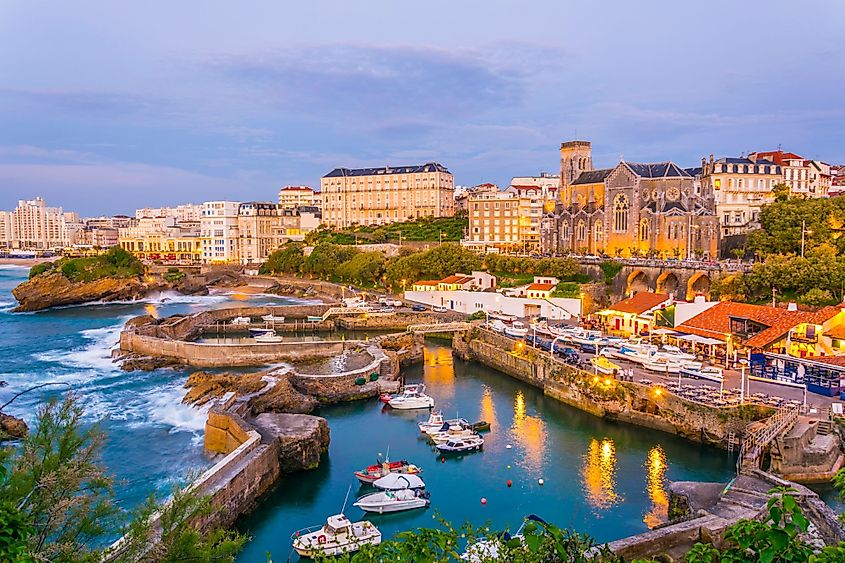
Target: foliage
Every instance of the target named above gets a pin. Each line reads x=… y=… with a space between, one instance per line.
x=115 y=263
x=567 y=289
x=174 y=275
x=39 y=269
x=57 y=502
x=773 y=540
x=781 y=222
x=435 y=263
x=540 y=542
x=325 y=259
x=816 y=297
x=425 y=229
x=565 y=269
x=286 y=260
x=610 y=269
x=477 y=316
x=365 y=268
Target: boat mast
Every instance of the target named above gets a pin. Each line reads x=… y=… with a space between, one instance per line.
x=342 y=510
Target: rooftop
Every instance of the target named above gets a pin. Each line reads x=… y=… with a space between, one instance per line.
x=657 y=170
x=387 y=170
x=641 y=302
x=540 y=287
x=460 y=279
x=592 y=176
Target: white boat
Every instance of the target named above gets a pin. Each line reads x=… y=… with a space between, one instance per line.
x=565 y=332
x=433 y=424
x=397 y=481
x=337 y=536
x=627 y=353
x=541 y=327
x=674 y=352
x=498 y=326
x=259 y=331
x=314 y=319
x=393 y=501
x=661 y=365
x=604 y=366
x=241 y=321
x=489 y=549
x=462 y=444
x=710 y=373
x=450 y=433
x=516 y=329
x=587 y=337
x=268 y=338
x=273 y=318
x=412 y=397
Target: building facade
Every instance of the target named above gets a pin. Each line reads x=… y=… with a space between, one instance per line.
x=378 y=196
x=633 y=209
x=33 y=226
x=163 y=239
x=181 y=213
x=508 y=221
x=741 y=187
x=219 y=232
x=259 y=231
x=292 y=197
x=805 y=178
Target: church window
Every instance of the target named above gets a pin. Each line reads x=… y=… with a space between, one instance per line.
x=581 y=231
x=598 y=230
x=644 y=230
x=620 y=213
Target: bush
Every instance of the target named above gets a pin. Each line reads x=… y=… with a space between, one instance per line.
x=174 y=275
x=39 y=269
x=477 y=316
x=610 y=269
x=818 y=298
x=70 y=269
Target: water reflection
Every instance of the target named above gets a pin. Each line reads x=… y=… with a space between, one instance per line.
x=530 y=432
x=439 y=370
x=655 y=466
x=488 y=409
x=598 y=473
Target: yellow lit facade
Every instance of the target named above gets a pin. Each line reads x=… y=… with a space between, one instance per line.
x=508 y=221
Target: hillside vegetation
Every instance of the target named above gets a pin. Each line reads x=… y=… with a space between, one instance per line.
x=116 y=263
x=426 y=229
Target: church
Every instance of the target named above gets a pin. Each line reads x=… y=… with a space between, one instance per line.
x=655 y=210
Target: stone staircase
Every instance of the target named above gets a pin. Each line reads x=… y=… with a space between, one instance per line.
x=824 y=427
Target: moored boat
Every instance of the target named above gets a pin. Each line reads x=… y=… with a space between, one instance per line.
x=313 y=319
x=661 y=365
x=268 y=338
x=456 y=445
x=396 y=481
x=497 y=326
x=240 y=321
x=449 y=432
x=412 y=397
x=434 y=422
x=706 y=372
x=337 y=536
x=273 y=318
x=604 y=365
x=517 y=329
x=260 y=331
x=393 y=501
x=375 y=472
x=480 y=426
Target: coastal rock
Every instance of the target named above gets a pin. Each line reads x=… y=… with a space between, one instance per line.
x=50 y=290
x=301 y=439
x=134 y=362
x=277 y=397
x=12 y=427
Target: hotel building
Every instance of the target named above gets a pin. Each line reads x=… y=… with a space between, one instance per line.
x=219 y=231
x=509 y=220
x=378 y=196
x=34 y=226
x=292 y=197
x=163 y=239
x=805 y=178
x=258 y=230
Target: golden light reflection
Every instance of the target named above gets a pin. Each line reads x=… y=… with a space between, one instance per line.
x=151 y=310
x=599 y=474
x=488 y=409
x=530 y=432
x=439 y=369
x=237 y=296
x=655 y=466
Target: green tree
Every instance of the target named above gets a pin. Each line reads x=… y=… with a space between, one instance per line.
x=365 y=268
x=286 y=260
x=436 y=263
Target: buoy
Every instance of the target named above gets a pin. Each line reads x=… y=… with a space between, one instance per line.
x=483 y=500
x=442 y=460
x=508 y=446
x=540 y=481
x=509 y=466
x=510 y=482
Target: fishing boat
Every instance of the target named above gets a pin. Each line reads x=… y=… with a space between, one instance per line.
x=268 y=338
x=604 y=365
x=456 y=445
x=412 y=397
x=707 y=372
x=273 y=318
x=393 y=501
x=375 y=472
x=433 y=424
x=517 y=329
x=260 y=331
x=449 y=432
x=497 y=326
x=396 y=481
x=337 y=536
x=587 y=338
x=240 y=321
x=661 y=365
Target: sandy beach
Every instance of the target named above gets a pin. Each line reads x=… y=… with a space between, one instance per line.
x=28 y=262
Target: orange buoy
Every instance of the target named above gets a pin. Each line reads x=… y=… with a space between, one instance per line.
x=442 y=460
x=510 y=483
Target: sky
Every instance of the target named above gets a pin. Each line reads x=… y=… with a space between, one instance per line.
x=110 y=106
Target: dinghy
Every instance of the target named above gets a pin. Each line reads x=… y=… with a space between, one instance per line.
x=393 y=501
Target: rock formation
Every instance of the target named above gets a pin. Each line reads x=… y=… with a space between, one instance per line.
x=50 y=290
x=12 y=427
x=301 y=439
x=280 y=396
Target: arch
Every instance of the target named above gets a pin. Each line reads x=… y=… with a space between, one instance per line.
x=581 y=231
x=644 y=230
x=620 y=213
x=668 y=283
x=637 y=281
x=699 y=282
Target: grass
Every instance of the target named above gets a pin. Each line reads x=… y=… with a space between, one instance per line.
x=116 y=263
x=420 y=230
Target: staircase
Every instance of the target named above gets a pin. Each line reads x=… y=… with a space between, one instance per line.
x=732 y=441
x=760 y=434
x=824 y=427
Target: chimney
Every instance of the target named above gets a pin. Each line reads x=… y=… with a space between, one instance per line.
x=711 y=158
x=792 y=306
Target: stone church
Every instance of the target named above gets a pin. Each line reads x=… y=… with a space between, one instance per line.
x=650 y=210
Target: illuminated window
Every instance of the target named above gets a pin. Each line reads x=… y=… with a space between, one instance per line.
x=620 y=213
x=644 y=229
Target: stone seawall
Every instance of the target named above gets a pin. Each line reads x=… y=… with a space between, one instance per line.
x=634 y=403
x=183 y=327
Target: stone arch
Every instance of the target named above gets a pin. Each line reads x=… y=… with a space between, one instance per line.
x=637 y=281
x=667 y=282
x=699 y=282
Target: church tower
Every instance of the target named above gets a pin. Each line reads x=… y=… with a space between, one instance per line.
x=575 y=157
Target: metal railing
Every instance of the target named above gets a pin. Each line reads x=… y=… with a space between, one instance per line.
x=438 y=327
x=756 y=440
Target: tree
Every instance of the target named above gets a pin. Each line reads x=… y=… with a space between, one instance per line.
x=435 y=263
x=365 y=268
x=286 y=260
x=817 y=298
x=738 y=253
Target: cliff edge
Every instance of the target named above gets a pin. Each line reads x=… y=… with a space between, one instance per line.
x=54 y=289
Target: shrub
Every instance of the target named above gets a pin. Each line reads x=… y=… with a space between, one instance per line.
x=39 y=269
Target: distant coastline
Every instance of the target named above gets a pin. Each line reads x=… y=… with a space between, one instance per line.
x=29 y=262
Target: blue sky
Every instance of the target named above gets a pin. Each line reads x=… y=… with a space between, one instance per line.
x=108 y=106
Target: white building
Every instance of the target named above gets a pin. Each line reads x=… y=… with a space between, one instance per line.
x=189 y=212
x=545 y=180
x=468 y=302
x=806 y=178
x=34 y=226
x=293 y=197
x=219 y=232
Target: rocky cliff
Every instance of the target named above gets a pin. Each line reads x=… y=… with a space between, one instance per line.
x=12 y=428
x=280 y=397
x=50 y=290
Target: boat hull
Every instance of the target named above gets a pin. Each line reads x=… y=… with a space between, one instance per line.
x=408 y=404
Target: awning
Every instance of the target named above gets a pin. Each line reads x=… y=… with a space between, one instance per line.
x=699 y=339
x=662 y=331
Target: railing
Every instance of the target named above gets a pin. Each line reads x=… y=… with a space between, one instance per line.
x=756 y=440
x=438 y=327
x=334 y=311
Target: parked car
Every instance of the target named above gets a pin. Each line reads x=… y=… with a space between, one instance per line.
x=570 y=355
x=418 y=307
x=437 y=309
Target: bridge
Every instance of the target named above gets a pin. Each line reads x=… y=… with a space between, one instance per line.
x=760 y=434
x=337 y=311
x=438 y=327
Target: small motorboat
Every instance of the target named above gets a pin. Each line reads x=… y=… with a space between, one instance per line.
x=450 y=432
x=337 y=536
x=412 y=397
x=673 y=352
x=661 y=365
x=456 y=445
x=260 y=331
x=396 y=481
x=491 y=549
x=393 y=501
x=268 y=338
x=604 y=365
x=375 y=472
x=707 y=372
x=498 y=326
x=314 y=319
x=517 y=329
x=241 y=321
x=273 y=318
x=480 y=426
x=433 y=424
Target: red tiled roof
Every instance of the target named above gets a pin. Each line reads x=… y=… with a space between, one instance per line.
x=427 y=282
x=540 y=287
x=297 y=188
x=640 y=303
x=715 y=321
x=778 y=157
x=457 y=279
x=832 y=360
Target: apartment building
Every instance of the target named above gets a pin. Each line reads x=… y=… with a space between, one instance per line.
x=181 y=213
x=741 y=187
x=292 y=197
x=259 y=231
x=805 y=178
x=163 y=239
x=378 y=196
x=545 y=180
x=219 y=232
x=510 y=220
x=32 y=225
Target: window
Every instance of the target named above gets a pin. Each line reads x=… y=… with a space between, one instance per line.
x=581 y=231
x=598 y=231
x=620 y=213
x=644 y=229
